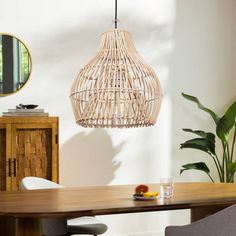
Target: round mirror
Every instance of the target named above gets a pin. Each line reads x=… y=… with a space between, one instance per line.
x=15 y=64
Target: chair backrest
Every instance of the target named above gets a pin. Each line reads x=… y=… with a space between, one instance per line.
x=221 y=223
x=30 y=183
x=51 y=227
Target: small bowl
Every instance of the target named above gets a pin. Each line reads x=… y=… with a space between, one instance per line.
x=30 y=106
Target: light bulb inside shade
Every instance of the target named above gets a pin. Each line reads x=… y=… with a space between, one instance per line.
x=116 y=88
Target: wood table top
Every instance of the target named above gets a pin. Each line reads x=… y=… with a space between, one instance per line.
x=74 y=202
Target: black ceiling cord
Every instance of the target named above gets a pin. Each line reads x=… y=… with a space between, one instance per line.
x=116 y=19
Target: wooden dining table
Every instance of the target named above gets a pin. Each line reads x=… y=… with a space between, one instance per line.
x=21 y=212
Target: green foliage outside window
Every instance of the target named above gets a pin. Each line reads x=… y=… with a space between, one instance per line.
x=0 y=59
x=24 y=63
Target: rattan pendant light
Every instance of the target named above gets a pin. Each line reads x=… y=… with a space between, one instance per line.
x=117 y=88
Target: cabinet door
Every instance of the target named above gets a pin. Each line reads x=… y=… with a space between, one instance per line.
x=33 y=152
x=5 y=157
x=3 y=160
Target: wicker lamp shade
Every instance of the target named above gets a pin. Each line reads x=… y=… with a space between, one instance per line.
x=116 y=88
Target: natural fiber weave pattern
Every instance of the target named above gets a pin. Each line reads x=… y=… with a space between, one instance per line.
x=116 y=88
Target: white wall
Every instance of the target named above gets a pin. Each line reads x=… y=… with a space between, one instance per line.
x=192 y=46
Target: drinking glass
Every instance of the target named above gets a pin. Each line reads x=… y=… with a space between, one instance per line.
x=167 y=187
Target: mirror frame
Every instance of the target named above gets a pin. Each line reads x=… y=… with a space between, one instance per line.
x=30 y=60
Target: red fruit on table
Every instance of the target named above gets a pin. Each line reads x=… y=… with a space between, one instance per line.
x=141 y=188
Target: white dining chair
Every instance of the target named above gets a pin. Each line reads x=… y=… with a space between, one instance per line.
x=54 y=227
x=222 y=223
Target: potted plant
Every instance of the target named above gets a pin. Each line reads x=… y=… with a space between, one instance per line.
x=225 y=131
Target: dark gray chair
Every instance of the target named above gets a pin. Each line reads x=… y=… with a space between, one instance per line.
x=222 y=223
x=58 y=227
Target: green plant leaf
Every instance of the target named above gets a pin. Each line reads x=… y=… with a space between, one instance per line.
x=196 y=166
x=200 y=106
x=226 y=123
x=201 y=133
x=231 y=168
x=204 y=144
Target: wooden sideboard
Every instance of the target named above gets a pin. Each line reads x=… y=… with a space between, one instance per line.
x=28 y=147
